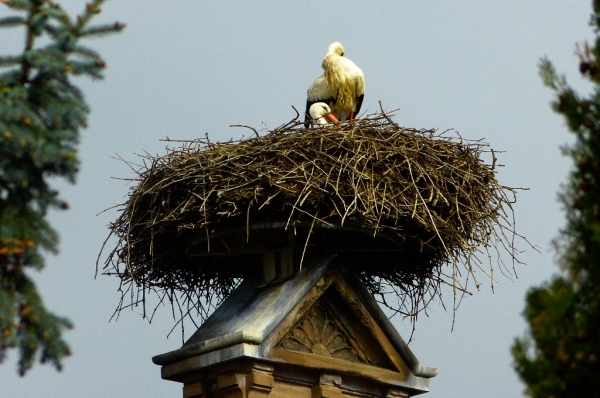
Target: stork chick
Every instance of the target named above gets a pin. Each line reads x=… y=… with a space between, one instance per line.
x=321 y=114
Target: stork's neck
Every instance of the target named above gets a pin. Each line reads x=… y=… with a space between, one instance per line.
x=337 y=81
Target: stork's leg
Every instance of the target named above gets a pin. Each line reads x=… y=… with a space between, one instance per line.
x=352 y=115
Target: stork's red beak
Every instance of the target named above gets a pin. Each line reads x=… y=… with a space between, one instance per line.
x=332 y=118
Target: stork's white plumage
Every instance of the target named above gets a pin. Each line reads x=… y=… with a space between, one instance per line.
x=342 y=85
x=321 y=114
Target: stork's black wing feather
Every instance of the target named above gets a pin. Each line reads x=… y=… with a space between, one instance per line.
x=307 y=118
x=359 y=102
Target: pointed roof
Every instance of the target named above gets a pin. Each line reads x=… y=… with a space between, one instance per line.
x=324 y=313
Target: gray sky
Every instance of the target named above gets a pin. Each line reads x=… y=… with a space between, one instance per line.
x=185 y=68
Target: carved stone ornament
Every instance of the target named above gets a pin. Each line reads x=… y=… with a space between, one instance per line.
x=320 y=333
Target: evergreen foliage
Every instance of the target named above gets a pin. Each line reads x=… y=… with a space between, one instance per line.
x=41 y=114
x=559 y=356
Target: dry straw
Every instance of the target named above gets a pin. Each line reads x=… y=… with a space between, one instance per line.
x=432 y=210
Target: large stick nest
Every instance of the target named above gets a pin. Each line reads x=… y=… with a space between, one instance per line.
x=409 y=209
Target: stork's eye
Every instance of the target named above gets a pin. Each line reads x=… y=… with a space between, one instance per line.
x=342 y=54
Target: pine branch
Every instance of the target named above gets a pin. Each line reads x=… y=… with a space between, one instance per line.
x=41 y=114
x=559 y=356
x=23 y=5
x=59 y=15
x=10 y=22
x=86 y=52
x=31 y=33
x=10 y=60
x=102 y=30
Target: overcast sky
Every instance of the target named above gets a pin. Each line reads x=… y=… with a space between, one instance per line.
x=185 y=68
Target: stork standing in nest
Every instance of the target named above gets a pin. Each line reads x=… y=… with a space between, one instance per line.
x=342 y=85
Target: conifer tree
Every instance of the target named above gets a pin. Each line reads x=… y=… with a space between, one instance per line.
x=41 y=114
x=560 y=354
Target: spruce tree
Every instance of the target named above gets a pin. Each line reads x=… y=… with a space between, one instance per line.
x=560 y=354
x=41 y=115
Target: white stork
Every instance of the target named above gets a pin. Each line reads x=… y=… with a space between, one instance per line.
x=321 y=114
x=342 y=85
